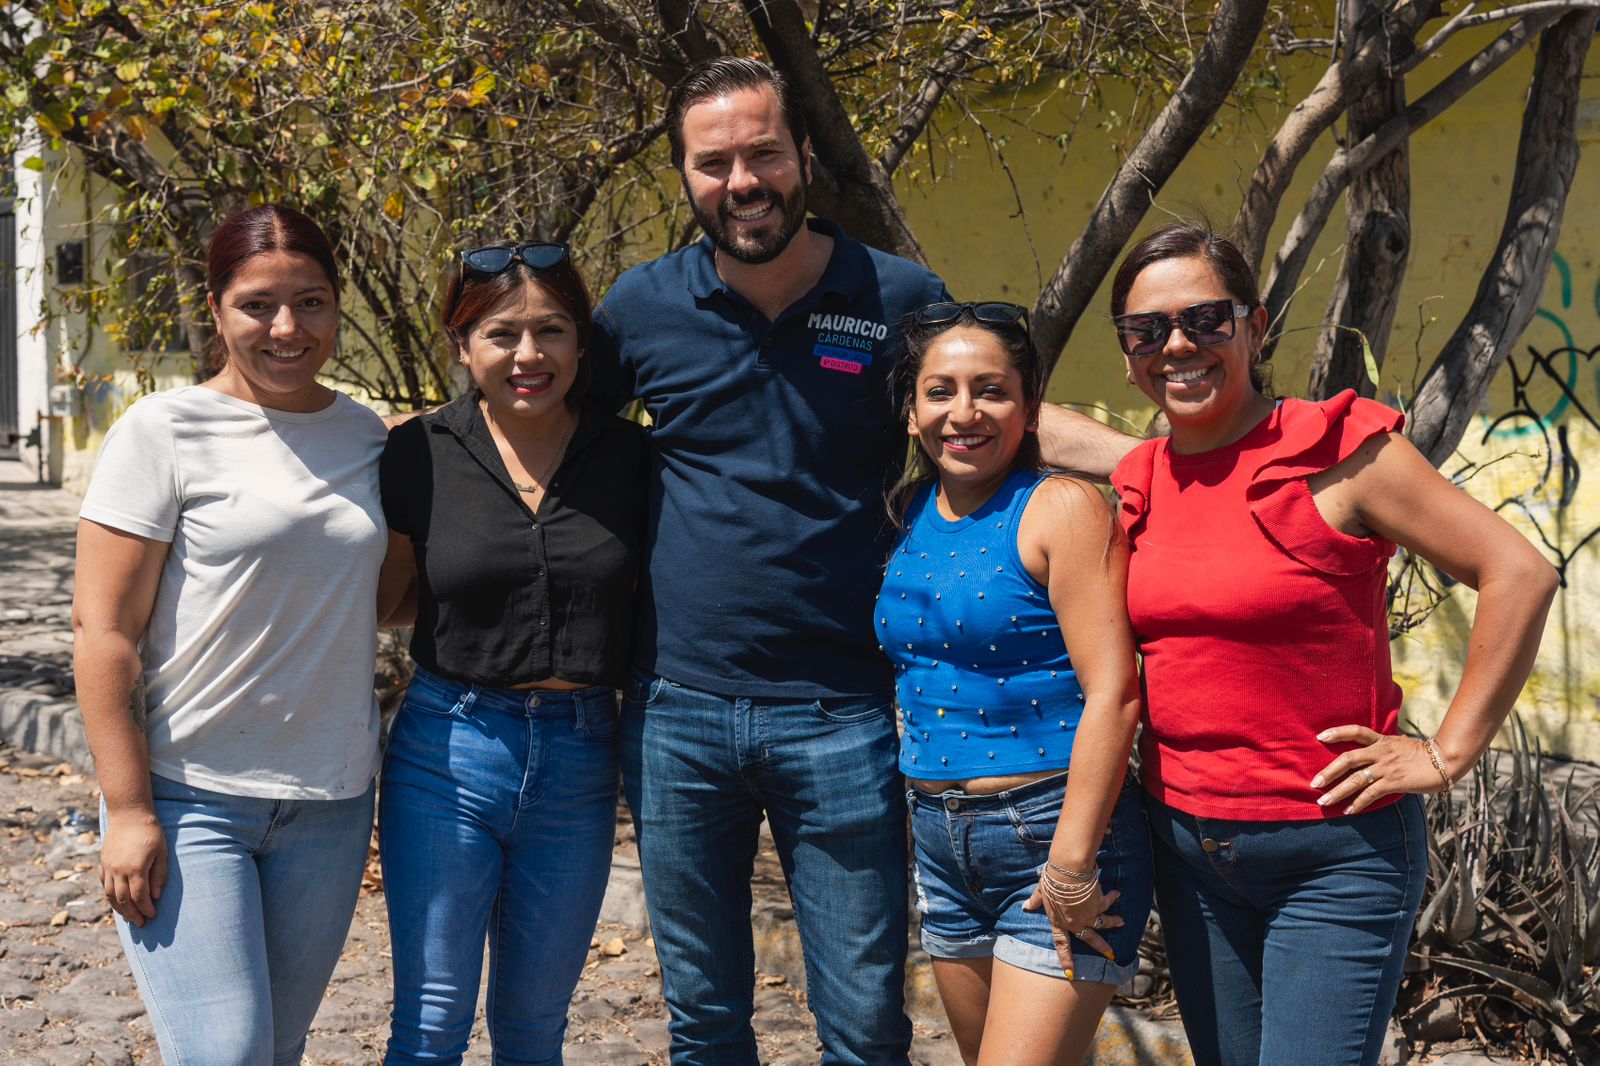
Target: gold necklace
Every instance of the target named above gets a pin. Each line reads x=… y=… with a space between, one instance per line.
x=542 y=479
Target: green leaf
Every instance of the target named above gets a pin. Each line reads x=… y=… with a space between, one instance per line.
x=425 y=177
x=1370 y=360
x=34 y=163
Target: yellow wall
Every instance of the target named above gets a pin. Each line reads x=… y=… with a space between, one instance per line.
x=1461 y=168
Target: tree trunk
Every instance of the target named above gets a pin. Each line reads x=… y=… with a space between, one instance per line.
x=1170 y=137
x=1512 y=285
x=1377 y=240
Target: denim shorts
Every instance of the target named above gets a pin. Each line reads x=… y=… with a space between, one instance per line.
x=978 y=861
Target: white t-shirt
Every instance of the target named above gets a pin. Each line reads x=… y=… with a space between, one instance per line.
x=258 y=658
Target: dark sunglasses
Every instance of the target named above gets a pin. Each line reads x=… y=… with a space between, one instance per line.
x=1147 y=332
x=991 y=312
x=540 y=255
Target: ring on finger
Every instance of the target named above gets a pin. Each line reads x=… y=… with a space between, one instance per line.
x=1099 y=921
x=1367 y=775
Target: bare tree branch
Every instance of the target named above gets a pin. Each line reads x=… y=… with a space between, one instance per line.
x=1306 y=121
x=628 y=37
x=1346 y=163
x=685 y=31
x=1309 y=120
x=915 y=116
x=1469 y=16
x=1170 y=137
x=1512 y=286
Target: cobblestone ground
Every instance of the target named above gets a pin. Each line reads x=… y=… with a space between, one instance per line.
x=67 y=999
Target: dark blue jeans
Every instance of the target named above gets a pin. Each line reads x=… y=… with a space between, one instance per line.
x=1286 y=940
x=700 y=771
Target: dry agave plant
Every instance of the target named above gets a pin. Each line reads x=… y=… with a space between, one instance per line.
x=1509 y=934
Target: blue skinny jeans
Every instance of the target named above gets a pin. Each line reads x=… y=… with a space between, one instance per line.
x=496 y=818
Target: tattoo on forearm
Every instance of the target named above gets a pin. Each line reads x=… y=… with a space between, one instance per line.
x=136 y=703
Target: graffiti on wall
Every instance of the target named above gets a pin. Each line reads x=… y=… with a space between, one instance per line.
x=1552 y=390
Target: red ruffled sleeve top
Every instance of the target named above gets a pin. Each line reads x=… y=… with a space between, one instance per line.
x=1260 y=625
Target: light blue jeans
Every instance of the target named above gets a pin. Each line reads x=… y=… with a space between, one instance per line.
x=497 y=815
x=701 y=770
x=251 y=922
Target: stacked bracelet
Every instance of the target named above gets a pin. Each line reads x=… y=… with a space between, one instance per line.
x=1073 y=875
x=1438 y=764
x=1064 y=893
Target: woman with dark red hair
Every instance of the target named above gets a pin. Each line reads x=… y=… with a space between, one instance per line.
x=225 y=629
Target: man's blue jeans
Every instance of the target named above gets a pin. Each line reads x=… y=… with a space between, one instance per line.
x=497 y=815
x=1286 y=940
x=251 y=922
x=700 y=770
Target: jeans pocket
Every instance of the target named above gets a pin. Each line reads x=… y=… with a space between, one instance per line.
x=597 y=718
x=850 y=710
x=437 y=700
x=1035 y=822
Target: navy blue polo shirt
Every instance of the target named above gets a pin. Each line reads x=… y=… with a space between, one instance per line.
x=772 y=445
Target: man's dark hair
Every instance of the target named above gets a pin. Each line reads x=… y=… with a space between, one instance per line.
x=724 y=75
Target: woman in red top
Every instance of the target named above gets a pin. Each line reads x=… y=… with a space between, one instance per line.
x=1290 y=844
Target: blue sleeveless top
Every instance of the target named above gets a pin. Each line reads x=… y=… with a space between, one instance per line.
x=982 y=674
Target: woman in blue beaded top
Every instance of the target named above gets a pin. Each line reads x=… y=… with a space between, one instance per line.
x=1003 y=611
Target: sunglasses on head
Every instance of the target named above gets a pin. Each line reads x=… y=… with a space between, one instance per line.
x=1147 y=332
x=990 y=312
x=539 y=255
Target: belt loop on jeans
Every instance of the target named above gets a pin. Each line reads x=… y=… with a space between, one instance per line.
x=464 y=707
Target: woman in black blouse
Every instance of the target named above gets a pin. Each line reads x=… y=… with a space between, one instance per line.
x=518 y=515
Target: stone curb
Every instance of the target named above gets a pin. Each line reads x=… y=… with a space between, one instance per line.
x=47 y=725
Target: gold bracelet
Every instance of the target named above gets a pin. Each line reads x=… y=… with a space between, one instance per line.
x=1438 y=764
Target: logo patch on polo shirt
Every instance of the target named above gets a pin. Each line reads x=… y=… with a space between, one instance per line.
x=845 y=343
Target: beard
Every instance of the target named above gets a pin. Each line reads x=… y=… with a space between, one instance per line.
x=759 y=246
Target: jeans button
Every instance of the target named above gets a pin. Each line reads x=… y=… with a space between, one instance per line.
x=533 y=702
x=952 y=804
x=1210 y=846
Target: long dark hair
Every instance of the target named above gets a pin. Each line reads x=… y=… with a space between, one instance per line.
x=916 y=338
x=268 y=228
x=469 y=295
x=1189 y=238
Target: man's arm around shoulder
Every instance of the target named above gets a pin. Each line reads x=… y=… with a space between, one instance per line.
x=1072 y=441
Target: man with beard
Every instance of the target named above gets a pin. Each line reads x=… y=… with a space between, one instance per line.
x=761 y=354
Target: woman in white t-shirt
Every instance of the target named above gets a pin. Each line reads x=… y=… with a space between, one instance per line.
x=228 y=559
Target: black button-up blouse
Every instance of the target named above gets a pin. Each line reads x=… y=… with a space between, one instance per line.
x=507 y=596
